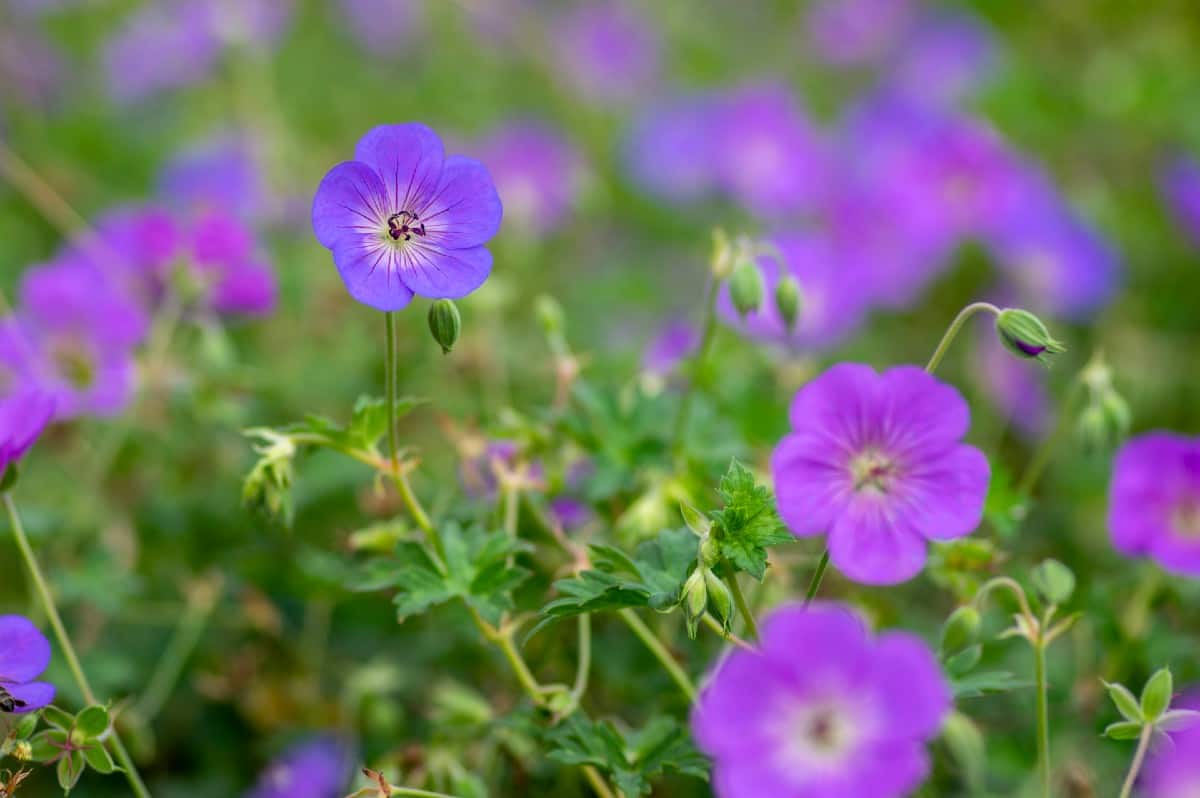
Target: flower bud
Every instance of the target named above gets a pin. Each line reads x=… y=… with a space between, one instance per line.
x=722 y=257
x=549 y=314
x=746 y=287
x=1023 y=334
x=787 y=300
x=960 y=630
x=695 y=600
x=710 y=551
x=720 y=599
x=1105 y=418
x=445 y=323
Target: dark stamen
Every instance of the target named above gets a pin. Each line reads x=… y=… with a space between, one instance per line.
x=400 y=226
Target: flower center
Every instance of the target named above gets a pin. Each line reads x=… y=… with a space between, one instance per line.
x=404 y=225
x=74 y=364
x=872 y=471
x=1186 y=519
x=818 y=735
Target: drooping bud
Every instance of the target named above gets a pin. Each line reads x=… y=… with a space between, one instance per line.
x=787 y=300
x=695 y=600
x=746 y=287
x=1023 y=334
x=445 y=323
x=960 y=630
x=720 y=599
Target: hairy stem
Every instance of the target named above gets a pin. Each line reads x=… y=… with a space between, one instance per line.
x=706 y=338
x=68 y=648
x=954 y=328
x=651 y=641
x=1043 y=716
x=740 y=600
x=1138 y=757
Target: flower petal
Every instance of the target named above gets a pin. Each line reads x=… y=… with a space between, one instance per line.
x=408 y=159
x=351 y=201
x=24 y=650
x=918 y=412
x=35 y=695
x=810 y=483
x=466 y=210
x=444 y=274
x=841 y=404
x=370 y=270
x=943 y=499
x=912 y=690
x=869 y=545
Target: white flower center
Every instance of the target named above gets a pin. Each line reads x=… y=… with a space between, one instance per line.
x=872 y=471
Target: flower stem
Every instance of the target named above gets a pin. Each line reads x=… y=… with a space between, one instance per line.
x=597 y=781
x=647 y=636
x=583 y=664
x=1043 y=716
x=202 y=599
x=706 y=339
x=64 y=642
x=953 y=330
x=1138 y=757
x=740 y=600
x=815 y=583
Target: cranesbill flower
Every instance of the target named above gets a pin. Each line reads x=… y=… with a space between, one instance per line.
x=876 y=462
x=177 y=38
x=316 y=768
x=1180 y=184
x=383 y=27
x=1154 y=501
x=669 y=149
x=24 y=654
x=29 y=65
x=822 y=709
x=1173 y=769
x=833 y=299
x=675 y=341
x=221 y=173
x=24 y=408
x=225 y=260
x=403 y=219
x=607 y=51
x=851 y=32
x=768 y=155
x=944 y=59
x=537 y=171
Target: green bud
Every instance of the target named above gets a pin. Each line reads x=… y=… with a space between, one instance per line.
x=960 y=630
x=1104 y=422
x=1156 y=695
x=722 y=257
x=746 y=287
x=1023 y=334
x=787 y=300
x=720 y=599
x=549 y=314
x=710 y=551
x=1053 y=581
x=445 y=323
x=695 y=600
x=694 y=519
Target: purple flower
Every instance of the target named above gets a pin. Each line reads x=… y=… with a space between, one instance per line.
x=607 y=51
x=537 y=172
x=479 y=468
x=833 y=296
x=232 y=276
x=29 y=64
x=946 y=57
x=316 y=768
x=258 y=23
x=81 y=331
x=674 y=342
x=403 y=219
x=669 y=151
x=222 y=174
x=134 y=248
x=767 y=154
x=177 y=38
x=876 y=462
x=851 y=32
x=1180 y=183
x=1154 y=501
x=24 y=654
x=383 y=27
x=24 y=408
x=822 y=709
x=1173 y=770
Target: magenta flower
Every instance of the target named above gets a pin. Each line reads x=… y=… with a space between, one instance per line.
x=537 y=172
x=822 y=709
x=403 y=219
x=1173 y=770
x=852 y=32
x=1180 y=184
x=24 y=654
x=231 y=274
x=1154 y=501
x=833 y=295
x=945 y=58
x=24 y=408
x=316 y=768
x=669 y=151
x=607 y=51
x=876 y=462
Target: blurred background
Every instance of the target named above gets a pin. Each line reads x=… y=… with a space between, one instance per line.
x=905 y=157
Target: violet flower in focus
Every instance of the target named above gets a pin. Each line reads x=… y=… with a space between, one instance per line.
x=607 y=51
x=1180 y=184
x=537 y=171
x=317 y=768
x=24 y=654
x=876 y=462
x=822 y=708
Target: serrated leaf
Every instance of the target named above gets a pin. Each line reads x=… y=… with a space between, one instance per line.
x=1123 y=730
x=747 y=523
x=1125 y=701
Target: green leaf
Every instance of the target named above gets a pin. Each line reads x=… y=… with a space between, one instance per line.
x=370 y=420
x=985 y=682
x=1053 y=581
x=98 y=759
x=92 y=722
x=69 y=769
x=631 y=760
x=1125 y=702
x=1123 y=730
x=1156 y=695
x=747 y=523
x=1004 y=507
x=58 y=718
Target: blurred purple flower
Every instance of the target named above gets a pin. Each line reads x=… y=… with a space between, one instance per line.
x=1154 y=501
x=876 y=462
x=768 y=155
x=607 y=50
x=478 y=470
x=669 y=150
x=222 y=173
x=821 y=709
x=853 y=32
x=833 y=295
x=135 y=248
x=537 y=172
x=232 y=276
x=1180 y=183
x=162 y=46
x=316 y=768
x=945 y=59
x=383 y=27
x=403 y=219
x=675 y=341
x=246 y=23
x=24 y=654
x=570 y=512
x=30 y=65
x=1173 y=770
x=24 y=408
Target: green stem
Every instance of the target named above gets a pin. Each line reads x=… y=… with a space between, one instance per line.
x=1041 y=458
x=1043 y=716
x=954 y=328
x=815 y=583
x=64 y=642
x=1138 y=757
x=706 y=339
x=598 y=783
x=181 y=645
x=584 y=663
x=647 y=636
x=740 y=600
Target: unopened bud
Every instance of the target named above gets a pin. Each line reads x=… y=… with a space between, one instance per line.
x=1023 y=334
x=960 y=630
x=746 y=287
x=1105 y=419
x=710 y=551
x=787 y=300
x=720 y=599
x=549 y=314
x=722 y=257
x=445 y=323
x=695 y=600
